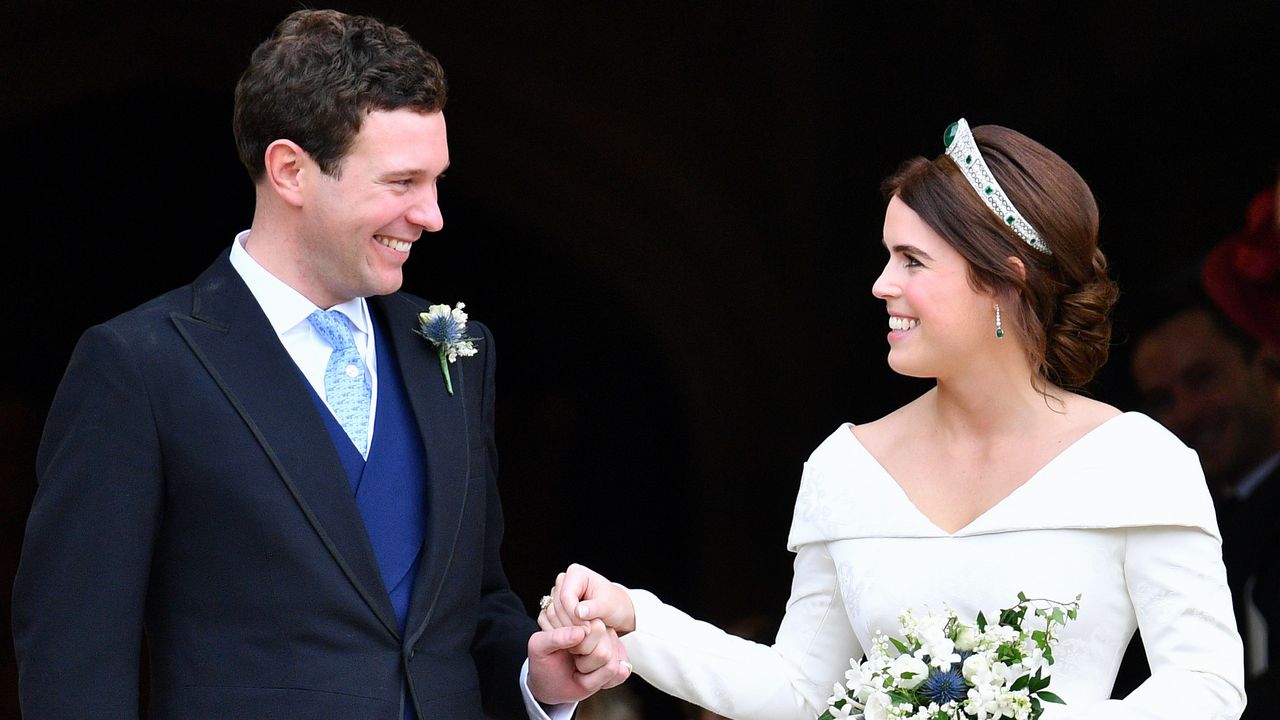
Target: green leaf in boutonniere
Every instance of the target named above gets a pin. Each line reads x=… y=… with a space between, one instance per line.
x=446 y=329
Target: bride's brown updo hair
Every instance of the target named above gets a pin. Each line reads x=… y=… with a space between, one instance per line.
x=1062 y=308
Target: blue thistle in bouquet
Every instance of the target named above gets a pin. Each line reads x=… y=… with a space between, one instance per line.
x=945 y=687
x=945 y=669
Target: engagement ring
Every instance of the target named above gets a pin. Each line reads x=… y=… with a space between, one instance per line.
x=544 y=602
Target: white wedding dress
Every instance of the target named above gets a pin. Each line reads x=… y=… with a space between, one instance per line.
x=1122 y=517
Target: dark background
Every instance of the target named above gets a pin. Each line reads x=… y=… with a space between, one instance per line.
x=668 y=213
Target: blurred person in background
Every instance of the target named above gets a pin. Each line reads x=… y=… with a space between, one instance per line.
x=1205 y=365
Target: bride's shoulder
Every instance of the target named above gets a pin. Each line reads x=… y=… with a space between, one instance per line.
x=853 y=450
x=1130 y=428
x=898 y=427
x=1089 y=411
x=850 y=444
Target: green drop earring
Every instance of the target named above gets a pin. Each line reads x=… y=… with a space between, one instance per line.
x=999 y=327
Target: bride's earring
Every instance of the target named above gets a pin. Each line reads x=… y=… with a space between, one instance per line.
x=999 y=327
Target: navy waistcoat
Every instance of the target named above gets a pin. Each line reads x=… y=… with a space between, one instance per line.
x=390 y=488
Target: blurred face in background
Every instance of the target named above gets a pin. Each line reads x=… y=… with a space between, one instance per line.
x=1216 y=397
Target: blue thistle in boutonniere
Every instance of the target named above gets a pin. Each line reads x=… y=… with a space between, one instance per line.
x=446 y=329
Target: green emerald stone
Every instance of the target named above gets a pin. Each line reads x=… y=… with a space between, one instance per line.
x=1009 y=219
x=988 y=189
x=999 y=333
x=949 y=135
x=968 y=159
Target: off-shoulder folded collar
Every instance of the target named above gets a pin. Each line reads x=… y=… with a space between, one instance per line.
x=1127 y=472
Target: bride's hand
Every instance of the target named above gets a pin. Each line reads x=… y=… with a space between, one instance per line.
x=582 y=595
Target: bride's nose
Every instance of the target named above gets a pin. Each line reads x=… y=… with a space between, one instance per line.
x=885 y=286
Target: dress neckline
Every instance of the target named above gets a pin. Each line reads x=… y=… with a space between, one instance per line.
x=1017 y=490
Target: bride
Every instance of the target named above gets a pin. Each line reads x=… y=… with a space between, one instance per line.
x=999 y=479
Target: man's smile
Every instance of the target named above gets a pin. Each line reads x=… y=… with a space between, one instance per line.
x=394 y=244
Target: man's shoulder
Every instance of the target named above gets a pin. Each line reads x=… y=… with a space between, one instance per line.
x=182 y=300
x=159 y=309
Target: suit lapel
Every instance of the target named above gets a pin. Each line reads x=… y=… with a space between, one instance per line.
x=233 y=339
x=442 y=422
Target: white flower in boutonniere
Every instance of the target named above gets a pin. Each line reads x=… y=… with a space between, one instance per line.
x=446 y=329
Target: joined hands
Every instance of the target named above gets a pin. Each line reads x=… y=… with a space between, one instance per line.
x=578 y=650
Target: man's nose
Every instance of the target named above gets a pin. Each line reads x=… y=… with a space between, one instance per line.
x=426 y=214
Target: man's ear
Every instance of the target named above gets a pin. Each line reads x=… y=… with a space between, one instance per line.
x=284 y=163
x=1017 y=265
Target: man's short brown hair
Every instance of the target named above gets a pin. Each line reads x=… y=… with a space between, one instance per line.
x=317 y=76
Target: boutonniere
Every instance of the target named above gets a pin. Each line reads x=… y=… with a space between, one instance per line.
x=446 y=329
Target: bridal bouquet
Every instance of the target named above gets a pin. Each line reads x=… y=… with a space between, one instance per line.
x=944 y=669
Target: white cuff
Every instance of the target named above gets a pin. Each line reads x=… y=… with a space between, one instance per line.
x=538 y=711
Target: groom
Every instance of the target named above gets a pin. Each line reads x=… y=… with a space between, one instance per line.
x=265 y=473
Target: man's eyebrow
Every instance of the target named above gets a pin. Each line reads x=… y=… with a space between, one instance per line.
x=408 y=172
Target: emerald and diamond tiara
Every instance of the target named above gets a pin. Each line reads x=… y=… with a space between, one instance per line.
x=963 y=149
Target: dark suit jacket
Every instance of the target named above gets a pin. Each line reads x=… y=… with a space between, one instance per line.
x=1251 y=551
x=188 y=486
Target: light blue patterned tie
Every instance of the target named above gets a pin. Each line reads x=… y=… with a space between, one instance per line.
x=346 y=385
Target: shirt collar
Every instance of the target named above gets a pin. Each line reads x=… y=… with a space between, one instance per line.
x=285 y=307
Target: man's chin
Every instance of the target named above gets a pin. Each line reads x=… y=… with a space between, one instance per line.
x=386 y=284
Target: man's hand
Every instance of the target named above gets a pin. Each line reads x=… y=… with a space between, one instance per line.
x=558 y=676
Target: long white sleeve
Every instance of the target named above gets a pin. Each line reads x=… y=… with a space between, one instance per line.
x=740 y=679
x=1178 y=586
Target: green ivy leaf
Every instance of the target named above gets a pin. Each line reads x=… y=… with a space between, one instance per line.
x=1013 y=617
x=1037 y=683
x=1009 y=654
x=1050 y=697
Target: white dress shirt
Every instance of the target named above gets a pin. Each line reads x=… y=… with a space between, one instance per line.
x=287 y=311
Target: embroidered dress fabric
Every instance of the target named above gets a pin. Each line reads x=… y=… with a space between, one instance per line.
x=346 y=384
x=1122 y=517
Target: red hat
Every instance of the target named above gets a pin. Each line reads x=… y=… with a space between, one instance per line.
x=1242 y=273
